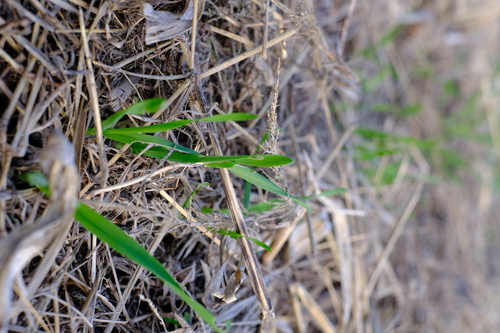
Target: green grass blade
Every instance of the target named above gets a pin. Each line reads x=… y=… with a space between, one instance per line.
x=221 y=161
x=221 y=165
x=153 y=128
x=228 y=117
x=171 y=321
x=262 y=207
x=246 y=196
x=144 y=138
x=258 y=242
x=326 y=193
x=257 y=179
x=179 y=123
x=36 y=179
x=122 y=243
x=236 y=235
x=216 y=161
x=150 y=106
x=129 y=248
x=206 y=210
x=195 y=157
x=390 y=35
x=155 y=152
x=187 y=203
x=370 y=155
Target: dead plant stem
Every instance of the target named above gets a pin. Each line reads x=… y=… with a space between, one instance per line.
x=268 y=324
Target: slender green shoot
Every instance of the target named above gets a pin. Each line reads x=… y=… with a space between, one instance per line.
x=235 y=235
x=122 y=243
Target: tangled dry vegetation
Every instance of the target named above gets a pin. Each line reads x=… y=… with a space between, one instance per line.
x=406 y=256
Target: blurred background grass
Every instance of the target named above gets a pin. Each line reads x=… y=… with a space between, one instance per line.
x=430 y=81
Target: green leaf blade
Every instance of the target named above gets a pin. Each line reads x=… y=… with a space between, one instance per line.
x=335 y=191
x=176 y=123
x=235 y=235
x=117 y=239
x=157 y=128
x=191 y=156
x=147 y=106
x=258 y=180
x=228 y=117
x=261 y=207
x=187 y=203
x=138 y=141
x=128 y=247
x=36 y=179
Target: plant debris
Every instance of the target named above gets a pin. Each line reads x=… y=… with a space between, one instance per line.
x=393 y=101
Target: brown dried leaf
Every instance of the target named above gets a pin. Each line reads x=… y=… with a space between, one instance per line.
x=228 y=293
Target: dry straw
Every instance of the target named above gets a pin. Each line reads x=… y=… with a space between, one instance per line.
x=406 y=255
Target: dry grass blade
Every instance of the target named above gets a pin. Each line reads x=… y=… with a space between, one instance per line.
x=314 y=309
x=245 y=55
x=136 y=180
x=140 y=55
x=35 y=52
x=161 y=25
x=297 y=309
x=31 y=309
x=268 y=324
x=266 y=31
x=14 y=64
x=342 y=234
x=334 y=154
x=268 y=319
x=146 y=76
x=85 y=5
x=396 y=233
x=189 y=217
x=284 y=81
x=281 y=237
x=238 y=38
x=94 y=103
x=345 y=27
x=194 y=30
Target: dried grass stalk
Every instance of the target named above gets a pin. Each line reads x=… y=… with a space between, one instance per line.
x=23 y=244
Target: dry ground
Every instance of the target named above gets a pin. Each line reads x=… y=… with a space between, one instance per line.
x=395 y=101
